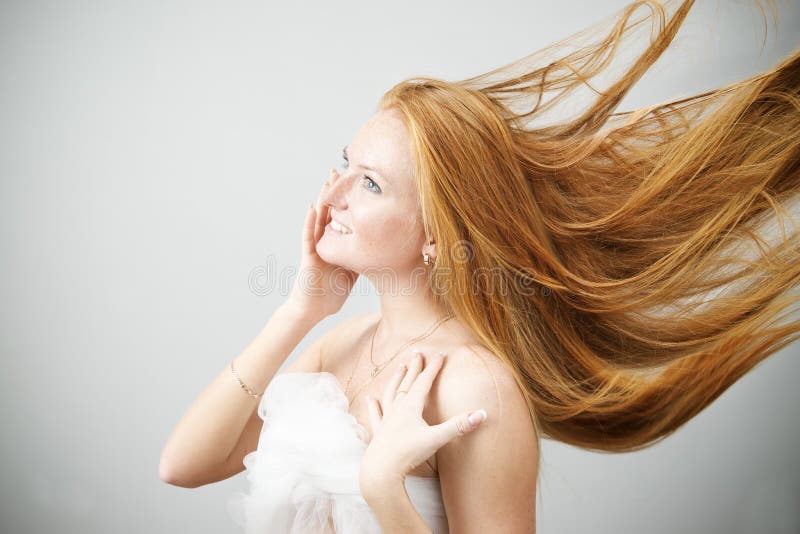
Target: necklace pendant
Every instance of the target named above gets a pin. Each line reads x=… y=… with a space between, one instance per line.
x=375 y=371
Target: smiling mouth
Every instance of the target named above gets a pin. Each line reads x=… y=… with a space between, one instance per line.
x=338 y=228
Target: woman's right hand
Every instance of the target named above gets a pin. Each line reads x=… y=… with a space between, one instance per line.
x=320 y=288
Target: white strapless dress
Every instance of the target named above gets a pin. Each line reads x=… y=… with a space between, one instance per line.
x=304 y=473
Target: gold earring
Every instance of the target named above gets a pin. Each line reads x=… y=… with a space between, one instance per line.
x=426 y=259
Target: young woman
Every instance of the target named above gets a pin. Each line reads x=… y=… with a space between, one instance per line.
x=597 y=280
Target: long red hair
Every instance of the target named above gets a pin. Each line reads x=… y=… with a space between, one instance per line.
x=620 y=263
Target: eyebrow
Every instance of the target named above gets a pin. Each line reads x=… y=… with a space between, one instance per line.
x=373 y=169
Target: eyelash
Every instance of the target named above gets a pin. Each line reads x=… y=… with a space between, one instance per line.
x=377 y=190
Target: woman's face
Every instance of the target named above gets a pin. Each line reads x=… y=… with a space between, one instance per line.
x=375 y=197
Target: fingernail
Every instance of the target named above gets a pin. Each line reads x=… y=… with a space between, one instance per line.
x=401 y=368
x=477 y=417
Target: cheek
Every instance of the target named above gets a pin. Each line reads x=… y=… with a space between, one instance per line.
x=393 y=234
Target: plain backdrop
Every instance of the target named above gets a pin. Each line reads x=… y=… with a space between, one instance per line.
x=157 y=158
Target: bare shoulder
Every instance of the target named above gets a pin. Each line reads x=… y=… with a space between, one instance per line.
x=472 y=377
x=488 y=475
x=343 y=336
x=327 y=348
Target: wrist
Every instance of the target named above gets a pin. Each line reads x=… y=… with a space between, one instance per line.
x=374 y=488
x=294 y=312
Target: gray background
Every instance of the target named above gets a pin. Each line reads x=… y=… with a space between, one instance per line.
x=157 y=159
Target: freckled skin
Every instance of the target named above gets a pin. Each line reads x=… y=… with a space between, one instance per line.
x=387 y=231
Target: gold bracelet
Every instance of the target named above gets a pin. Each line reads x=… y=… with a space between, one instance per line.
x=243 y=385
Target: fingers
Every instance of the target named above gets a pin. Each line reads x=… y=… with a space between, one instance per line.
x=374 y=413
x=390 y=391
x=458 y=426
x=414 y=368
x=308 y=230
x=322 y=210
x=319 y=221
x=422 y=384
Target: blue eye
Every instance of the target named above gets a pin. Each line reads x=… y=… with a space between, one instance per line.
x=377 y=189
x=371 y=185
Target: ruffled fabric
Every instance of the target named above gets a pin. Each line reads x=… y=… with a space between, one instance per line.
x=303 y=476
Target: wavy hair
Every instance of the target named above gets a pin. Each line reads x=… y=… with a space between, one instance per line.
x=635 y=267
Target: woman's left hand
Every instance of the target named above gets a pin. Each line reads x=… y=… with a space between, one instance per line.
x=401 y=439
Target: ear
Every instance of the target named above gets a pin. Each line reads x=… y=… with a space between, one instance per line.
x=430 y=248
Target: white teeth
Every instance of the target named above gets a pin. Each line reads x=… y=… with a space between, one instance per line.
x=339 y=228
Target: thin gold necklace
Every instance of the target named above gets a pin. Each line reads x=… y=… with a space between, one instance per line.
x=377 y=368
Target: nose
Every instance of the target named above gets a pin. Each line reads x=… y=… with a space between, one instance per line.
x=335 y=194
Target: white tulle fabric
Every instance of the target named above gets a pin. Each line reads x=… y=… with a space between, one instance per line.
x=303 y=476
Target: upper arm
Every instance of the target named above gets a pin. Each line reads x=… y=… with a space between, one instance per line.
x=488 y=476
x=310 y=360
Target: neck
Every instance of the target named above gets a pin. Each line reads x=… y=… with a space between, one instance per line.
x=408 y=316
x=408 y=307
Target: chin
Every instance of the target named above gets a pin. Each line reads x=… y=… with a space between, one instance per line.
x=331 y=253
